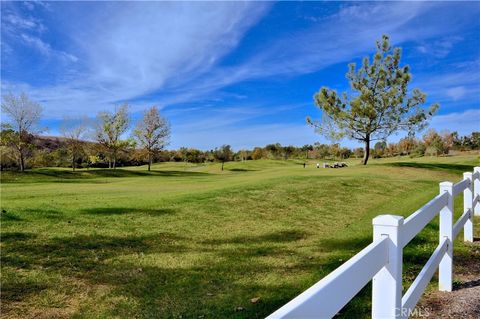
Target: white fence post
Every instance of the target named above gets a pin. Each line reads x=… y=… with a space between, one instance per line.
x=476 y=191
x=467 y=204
x=387 y=283
x=446 y=231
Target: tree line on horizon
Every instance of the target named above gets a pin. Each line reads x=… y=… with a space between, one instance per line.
x=100 y=144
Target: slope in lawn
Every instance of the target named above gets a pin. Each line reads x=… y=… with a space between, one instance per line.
x=192 y=241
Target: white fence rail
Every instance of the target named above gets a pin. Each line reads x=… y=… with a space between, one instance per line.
x=381 y=261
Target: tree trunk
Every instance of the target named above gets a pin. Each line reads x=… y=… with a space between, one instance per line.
x=222 y=165
x=114 y=161
x=22 y=162
x=149 y=161
x=366 y=155
x=73 y=163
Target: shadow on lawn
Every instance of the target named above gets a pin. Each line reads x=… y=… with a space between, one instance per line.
x=8 y=216
x=23 y=216
x=242 y=170
x=454 y=168
x=56 y=175
x=89 y=258
x=124 y=210
x=281 y=236
x=215 y=285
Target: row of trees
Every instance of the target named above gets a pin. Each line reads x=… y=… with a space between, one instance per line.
x=75 y=152
x=19 y=136
x=431 y=144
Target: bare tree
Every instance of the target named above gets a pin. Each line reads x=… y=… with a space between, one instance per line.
x=24 y=117
x=73 y=130
x=152 y=133
x=108 y=131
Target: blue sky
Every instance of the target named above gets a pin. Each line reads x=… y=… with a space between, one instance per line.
x=239 y=73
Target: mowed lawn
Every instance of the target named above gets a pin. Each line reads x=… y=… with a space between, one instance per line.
x=191 y=241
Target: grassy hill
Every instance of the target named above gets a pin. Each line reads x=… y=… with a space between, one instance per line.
x=191 y=241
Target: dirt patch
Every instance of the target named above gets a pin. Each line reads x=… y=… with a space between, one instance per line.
x=464 y=300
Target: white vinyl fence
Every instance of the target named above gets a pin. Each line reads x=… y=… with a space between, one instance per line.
x=382 y=259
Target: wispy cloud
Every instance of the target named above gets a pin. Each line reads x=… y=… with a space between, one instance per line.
x=439 y=48
x=159 y=47
x=469 y=120
x=45 y=48
x=13 y=22
x=457 y=92
x=460 y=83
x=173 y=50
x=341 y=37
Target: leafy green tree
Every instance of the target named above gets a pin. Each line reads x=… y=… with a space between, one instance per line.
x=334 y=150
x=223 y=154
x=406 y=145
x=358 y=152
x=274 y=150
x=288 y=151
x=474 y=140
x=434 y=144
x=305 y=149
x=379 y=103
x=8 y=158
x=152 y=133
x=257 y=153
x=24 y=115
x=379 y=148
x=243 y=155
x=345 y=153
x=109 y=130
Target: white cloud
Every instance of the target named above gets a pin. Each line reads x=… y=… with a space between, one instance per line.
x=460 y=83
x=341 y=37
x=422 y=49
x=37 y=43
x=29 y=5
x=463 y=122
x=457 y=92
x=20 y=22
x=439 y=48
x=132 y=49
x=45 y=48
x=173 y=49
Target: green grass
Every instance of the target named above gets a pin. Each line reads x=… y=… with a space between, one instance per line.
x=191 y=241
